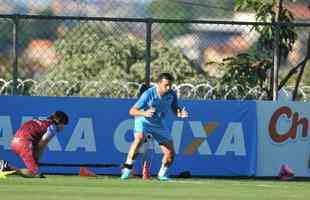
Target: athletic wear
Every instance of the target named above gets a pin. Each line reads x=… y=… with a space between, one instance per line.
x=125 y=173
x=33 y=130
x=154 y=125
x=163 y=104
x=163 y=178
x=3 y=165
x=28 y=137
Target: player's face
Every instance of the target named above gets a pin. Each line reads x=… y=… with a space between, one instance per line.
x=164 y=86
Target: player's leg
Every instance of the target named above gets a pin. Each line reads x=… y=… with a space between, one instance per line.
x=132 y=153
x=166 y=147
x=32 y=169
x=168 y=151
x=23 y=149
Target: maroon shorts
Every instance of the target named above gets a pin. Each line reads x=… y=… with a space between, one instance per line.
x=24 y=149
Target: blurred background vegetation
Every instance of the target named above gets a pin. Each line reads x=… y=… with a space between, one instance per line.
x=110 y=54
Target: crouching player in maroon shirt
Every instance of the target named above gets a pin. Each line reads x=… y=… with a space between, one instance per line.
x=31 y=139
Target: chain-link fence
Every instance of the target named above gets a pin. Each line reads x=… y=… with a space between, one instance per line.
x=79 y=55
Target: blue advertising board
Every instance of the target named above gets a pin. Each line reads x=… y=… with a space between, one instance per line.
x=218 y=139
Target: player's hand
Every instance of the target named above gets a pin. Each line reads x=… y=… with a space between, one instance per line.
x=182 y=113
x=150 y=112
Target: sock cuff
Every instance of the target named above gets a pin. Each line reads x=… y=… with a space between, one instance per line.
x=128 y=166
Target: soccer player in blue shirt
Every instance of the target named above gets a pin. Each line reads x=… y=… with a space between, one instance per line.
x=149 y=112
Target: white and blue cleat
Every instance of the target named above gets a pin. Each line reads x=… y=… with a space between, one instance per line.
x=125 y=174
x=163 y=178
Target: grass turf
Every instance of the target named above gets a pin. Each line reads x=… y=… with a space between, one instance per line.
x=102 y=187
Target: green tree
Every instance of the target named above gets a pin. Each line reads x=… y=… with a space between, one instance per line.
x=244 y=72
x=6 y=38
x=96 y=55
x=192 y=9
x=170 y=10
x=259 y=55
x=210 y=8
x=5 y=68
x=266 y=12
x=6 y=35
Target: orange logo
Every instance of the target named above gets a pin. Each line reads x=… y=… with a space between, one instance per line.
x=292 y=132
x=196 y=142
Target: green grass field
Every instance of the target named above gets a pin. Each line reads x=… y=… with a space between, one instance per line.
x=102 y=187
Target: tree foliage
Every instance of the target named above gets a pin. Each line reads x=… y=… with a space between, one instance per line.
x=192 y=9
x=266 y=12
x=170 y=10
x=210 y=8
x=90 y=53
x=245 y=72
x=240 y=68
x=5 y=70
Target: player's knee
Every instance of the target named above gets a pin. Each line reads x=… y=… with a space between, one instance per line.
x=171 y=153
x=169 y=160
x=138 y=141
x=170 y=156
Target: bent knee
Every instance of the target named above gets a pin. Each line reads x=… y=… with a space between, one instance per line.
x=170 y=155
x=138 y=138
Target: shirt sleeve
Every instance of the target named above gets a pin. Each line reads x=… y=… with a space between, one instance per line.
x=142 y=101
x=51 y=130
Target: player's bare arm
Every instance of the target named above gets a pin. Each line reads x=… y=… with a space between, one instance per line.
x=41 y=145
x=134 y=111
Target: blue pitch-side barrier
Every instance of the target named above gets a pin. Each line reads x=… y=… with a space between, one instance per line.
x=218 y=139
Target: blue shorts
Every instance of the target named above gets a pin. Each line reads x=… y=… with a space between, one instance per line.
x=159 y=133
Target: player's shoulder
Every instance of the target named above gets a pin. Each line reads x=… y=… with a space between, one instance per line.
x=52 y=127
x=150 y=91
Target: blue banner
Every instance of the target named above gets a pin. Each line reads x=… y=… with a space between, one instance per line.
x=218 y=139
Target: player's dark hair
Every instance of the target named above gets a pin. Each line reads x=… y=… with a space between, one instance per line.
x=166 y=76
x=59 y=117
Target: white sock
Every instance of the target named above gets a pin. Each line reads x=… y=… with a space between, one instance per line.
x=130 y=161
x=126 y=170
x=163 y=170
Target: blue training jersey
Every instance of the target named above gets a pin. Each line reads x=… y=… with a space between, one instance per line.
x=162 y=106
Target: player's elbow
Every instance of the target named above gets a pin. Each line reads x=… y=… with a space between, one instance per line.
x=132 y=112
